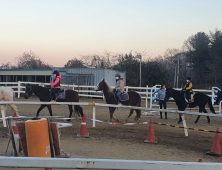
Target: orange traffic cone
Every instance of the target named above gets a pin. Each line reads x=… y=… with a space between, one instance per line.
x=83 y=130
x=151 y=137
x=216 y=148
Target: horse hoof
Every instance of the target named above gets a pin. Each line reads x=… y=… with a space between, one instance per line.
x=36 y=118
x=178 y=122
x=194 y=123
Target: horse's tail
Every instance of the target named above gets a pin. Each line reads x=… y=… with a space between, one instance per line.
x=210 y=105
x=78 y=110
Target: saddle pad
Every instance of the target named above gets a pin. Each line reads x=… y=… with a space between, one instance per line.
x=124 y=97
x=60 y=95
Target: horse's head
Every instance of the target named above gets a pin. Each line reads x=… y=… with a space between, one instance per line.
x=28 y=91
x=219 y=97
x=169 y=93
x=100 y=86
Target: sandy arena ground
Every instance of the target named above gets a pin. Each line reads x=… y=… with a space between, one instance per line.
x=126 y=142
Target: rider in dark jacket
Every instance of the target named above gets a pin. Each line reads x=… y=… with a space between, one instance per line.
x=55 y=84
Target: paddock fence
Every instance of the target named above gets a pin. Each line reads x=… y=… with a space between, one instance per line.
x=94 y=105
x=149 y=94
x=83 y=163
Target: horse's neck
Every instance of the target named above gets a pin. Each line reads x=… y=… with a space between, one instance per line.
x=39 y=91
x=108 y=93
x=179 y=98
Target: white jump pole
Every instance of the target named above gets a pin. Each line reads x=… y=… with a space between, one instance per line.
x=3 y=115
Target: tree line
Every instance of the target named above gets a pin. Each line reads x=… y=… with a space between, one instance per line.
x=200 y=58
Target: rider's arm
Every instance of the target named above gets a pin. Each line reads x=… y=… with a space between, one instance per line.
x=55 y=82
x=190 y=86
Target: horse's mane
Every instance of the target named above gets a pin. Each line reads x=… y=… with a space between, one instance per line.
x=110 y=90
x=39 y=87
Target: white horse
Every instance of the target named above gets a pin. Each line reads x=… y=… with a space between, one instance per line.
x=8 y=94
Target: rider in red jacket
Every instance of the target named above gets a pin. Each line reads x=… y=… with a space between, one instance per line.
x=55 y=84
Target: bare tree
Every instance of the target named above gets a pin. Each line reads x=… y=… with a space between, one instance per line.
x=30 y=60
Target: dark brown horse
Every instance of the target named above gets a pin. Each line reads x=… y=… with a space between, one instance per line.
x=200 y=99
x=44 y=96
x=134 y=100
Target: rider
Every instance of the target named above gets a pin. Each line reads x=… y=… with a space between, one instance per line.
x=119 y=86
x=188 y=88
x=55 y=84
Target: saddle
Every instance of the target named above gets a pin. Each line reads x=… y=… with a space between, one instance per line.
x=186 y=98
x=61 y=94
x=124 y=96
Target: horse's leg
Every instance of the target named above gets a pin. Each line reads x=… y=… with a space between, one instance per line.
x=14 y=108
x=111 y=111
x=138 y=112
x=198 y=117
x=180 y=118
x=70 y=112
x=130 y=114
x=208 y=118
x=41 y=107
x=50 y=109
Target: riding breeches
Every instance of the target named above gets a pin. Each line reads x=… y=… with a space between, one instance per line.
x=53 y=92
x=188 y=95
x=118 y=95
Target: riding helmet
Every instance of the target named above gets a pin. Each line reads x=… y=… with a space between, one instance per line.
x=117 y=75
x=56 y=72
x=188 y=78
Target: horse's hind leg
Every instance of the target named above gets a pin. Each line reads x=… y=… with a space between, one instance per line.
x=198 y=117
x=14 y=108
x=130 y=114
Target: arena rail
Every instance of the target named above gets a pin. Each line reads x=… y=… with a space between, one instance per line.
x=88 y=163
x=93 y=104
x=147 y=93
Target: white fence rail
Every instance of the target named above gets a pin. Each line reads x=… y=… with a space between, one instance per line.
x=110 y=105
x=83 y=163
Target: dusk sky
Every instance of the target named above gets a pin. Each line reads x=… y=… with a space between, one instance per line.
x=60 y=30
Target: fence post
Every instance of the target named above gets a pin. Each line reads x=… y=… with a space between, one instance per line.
x=184 y=125
x=220 y=107
x=212 y=95
x=19 y=89
x=151 y=100
x=127 y=88
x=94 y=116
x=146 y=102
